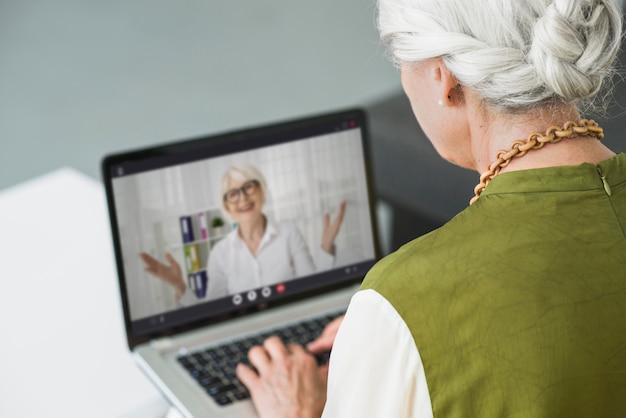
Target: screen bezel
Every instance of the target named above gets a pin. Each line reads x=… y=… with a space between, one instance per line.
x=200 y=148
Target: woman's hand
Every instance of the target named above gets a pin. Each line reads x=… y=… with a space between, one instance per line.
x=325 y=341
x=331 y=229
x=289 y=383
x=169 y=273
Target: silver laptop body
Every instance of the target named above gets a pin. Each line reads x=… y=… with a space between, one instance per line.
x=166 y=199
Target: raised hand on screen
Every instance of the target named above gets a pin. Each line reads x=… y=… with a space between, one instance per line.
x=169 y=273
x=331 y=229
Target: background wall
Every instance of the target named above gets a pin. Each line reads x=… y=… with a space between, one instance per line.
x=81 y=78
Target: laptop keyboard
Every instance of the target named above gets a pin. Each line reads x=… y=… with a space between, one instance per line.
x=214 y=368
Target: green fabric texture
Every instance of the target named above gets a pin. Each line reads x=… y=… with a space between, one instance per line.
x=518 y=305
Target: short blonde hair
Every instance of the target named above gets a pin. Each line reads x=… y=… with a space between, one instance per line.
x=242 y=172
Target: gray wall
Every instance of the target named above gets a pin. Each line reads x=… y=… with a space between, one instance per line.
x=81 y=78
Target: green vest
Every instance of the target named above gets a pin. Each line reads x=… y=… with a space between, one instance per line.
x=518 y=305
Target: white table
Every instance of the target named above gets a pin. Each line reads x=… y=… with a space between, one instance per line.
x=63 y=350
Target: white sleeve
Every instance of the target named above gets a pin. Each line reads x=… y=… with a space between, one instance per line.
x=325 y=261
x=375 y=368
x=188 y=298
x=217 y=285
x=218 y=279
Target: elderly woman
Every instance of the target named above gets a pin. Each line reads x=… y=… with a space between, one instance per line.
x=257 y=252
x=517 y=306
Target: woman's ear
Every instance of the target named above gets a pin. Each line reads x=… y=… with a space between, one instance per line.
x=450 y=91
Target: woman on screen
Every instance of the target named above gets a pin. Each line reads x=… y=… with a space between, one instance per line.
x=258 y=252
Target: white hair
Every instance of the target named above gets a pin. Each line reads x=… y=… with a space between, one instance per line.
x=516 y=54
x=242 y=173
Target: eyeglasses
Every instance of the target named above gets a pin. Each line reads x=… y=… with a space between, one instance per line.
x=248 y=188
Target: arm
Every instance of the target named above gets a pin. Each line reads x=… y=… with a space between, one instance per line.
x=217 y=284
x=325 y=255
x=169 y=272
x=299 y=254
x=331 y=229
x=375 y=368
x=216 y=269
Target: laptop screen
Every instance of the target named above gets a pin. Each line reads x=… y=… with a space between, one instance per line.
x=219 y=226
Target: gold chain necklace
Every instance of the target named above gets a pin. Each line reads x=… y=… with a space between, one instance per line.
x=536 y=140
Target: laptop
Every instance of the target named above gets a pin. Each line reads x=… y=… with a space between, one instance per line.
x=167 y=203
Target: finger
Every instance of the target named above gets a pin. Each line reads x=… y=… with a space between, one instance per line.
x=275 y=348
x=259 y=359
x=323 y=371
x=326 y=340
x=300 y=355
x=333 y=326
x=247 y=376
x=326 y=220
x=170 y=259
x=297 y=350
x=320 y=345
x=342 y=206
x=340 y=213
x=173 y=264
x=148 y=259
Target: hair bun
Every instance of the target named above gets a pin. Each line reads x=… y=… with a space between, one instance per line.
x=569 y=50
x=515 y=54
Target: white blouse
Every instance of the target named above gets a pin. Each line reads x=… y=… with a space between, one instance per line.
x=375 y=367
x=282 y=255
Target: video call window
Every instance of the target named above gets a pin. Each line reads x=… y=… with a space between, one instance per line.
x=179 y=210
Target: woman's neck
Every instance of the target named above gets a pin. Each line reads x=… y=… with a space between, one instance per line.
x=252 y=232
x=498 y=132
